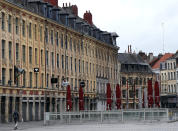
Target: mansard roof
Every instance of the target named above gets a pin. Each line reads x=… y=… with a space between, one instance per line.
x=129 y=58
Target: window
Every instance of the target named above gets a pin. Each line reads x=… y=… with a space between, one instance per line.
x=79 y=66
x=83 y=66
x=10 y=76
x=36 y=56
x=123 y=93
x=24 y=78
x=90 y=68
x=71 y=63
x=10 y=50
x=30 y=84
x=57 y=39
x=47 y=63
x=71 y=44
x=61 y=40
x=36 y=78
x=57 y=60
x=66 y=44
x=41 y=57
x=62 y=62
x=17 y=51
x=30 y=30
x=71 y=81
x=30 y=55
x=41 y=33
x=3 y=21
x=35 y=33
x=51 y=36
x=23 y=28
x=42 y=79
x=3 y=76
x=66 y=62
x=87 y=67
x=9 y=23
x=46 y=35
x=52 y=59
x=24 y=53
x=3 y=49
x=75 y=65
x=123 y=81
x=17 y=26
x=47 y=80
x=74 y=46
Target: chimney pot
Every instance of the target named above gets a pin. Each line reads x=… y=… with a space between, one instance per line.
x=63 y=4
x=69 y=4
x=66 y=4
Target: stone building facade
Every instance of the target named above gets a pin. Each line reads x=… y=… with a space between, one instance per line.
x=58 y=43
x=134 y=75
x=168 y=75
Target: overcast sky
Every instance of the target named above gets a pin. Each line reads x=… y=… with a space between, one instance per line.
x=137 y=22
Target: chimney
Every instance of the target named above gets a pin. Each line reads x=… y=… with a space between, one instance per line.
x=128 y=49
x=88 y=17
x=66 y=4
x=63 y=4
x=52 y=2
x=75 y=10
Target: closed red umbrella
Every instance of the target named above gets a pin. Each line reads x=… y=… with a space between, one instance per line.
x=81 y=99
x=68 y=99
x=143 y=100
x=109 y=101
x=157 y=96
x=118 y=96
x=150 y=94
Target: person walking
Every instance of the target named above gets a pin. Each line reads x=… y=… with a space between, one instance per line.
x=16 y=119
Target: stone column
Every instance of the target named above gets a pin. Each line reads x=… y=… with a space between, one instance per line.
x=74 y=109
x=33 y=109
x=20 y=108
x=39 y=109
x=50 y=104
x=0 y=109
x=61 y=109
x=89 y=102
x=27 y=110
x=55 y=106
x=7 y=109
x=13 y=103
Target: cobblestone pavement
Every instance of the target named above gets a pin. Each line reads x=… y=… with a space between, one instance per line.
x=38 y=126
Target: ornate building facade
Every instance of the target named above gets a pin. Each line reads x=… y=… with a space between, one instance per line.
x=134 y=76
x=40 y=41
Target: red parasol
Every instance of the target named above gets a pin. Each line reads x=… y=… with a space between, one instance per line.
x=150 y=94
x=81 y=99
x=118 y=96
x=157 y=96
x=68 y=99
x=143 y=102
x=109 y=101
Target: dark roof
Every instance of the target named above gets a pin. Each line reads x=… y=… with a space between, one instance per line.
x=128 y=58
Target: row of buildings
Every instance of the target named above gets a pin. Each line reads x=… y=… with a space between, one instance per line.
x=41 y=41
x=165 y=67
x=42 y=45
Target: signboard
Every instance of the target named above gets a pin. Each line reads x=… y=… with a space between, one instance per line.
x=65 y=83
x=36 y=69
x=54 y=80
x=82 y=84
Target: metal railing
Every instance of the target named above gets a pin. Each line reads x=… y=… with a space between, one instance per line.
x=135 y=115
